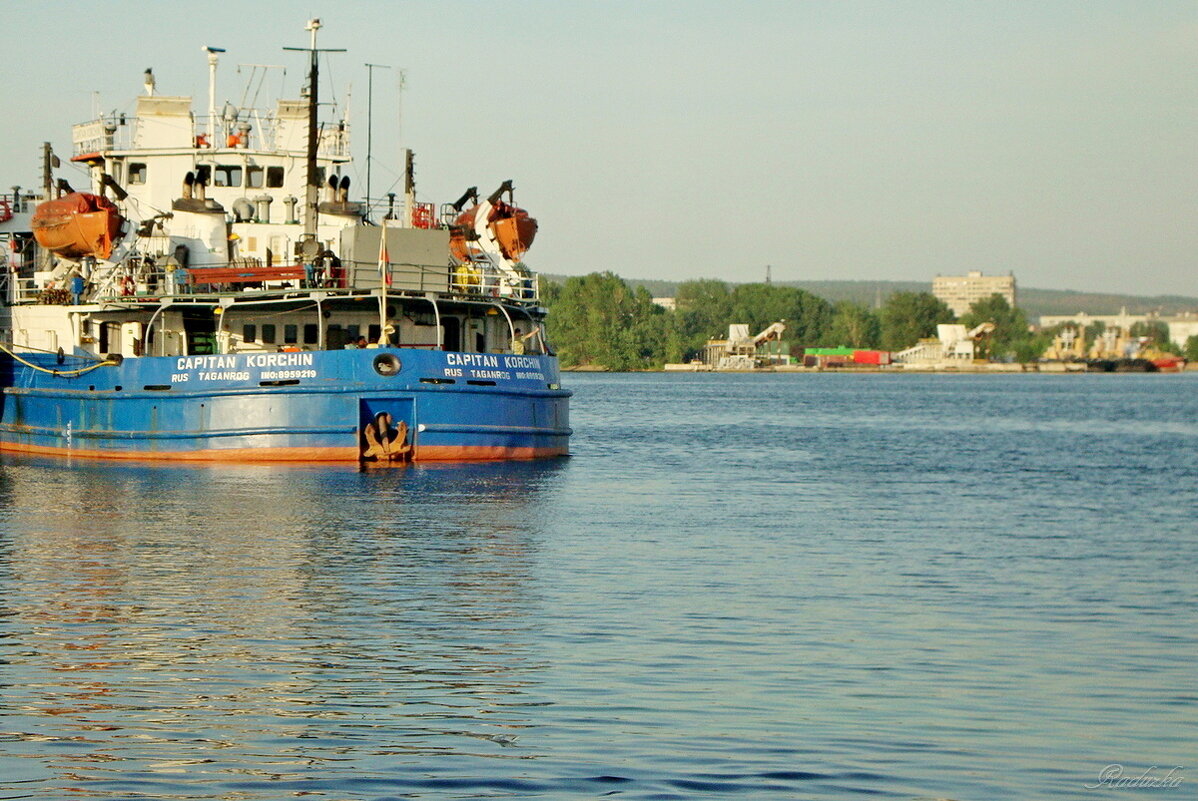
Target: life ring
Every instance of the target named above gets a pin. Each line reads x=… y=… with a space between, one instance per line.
x=5 y=211
x=128 y=286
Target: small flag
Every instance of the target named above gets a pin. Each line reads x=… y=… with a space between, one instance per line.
x=384 y=257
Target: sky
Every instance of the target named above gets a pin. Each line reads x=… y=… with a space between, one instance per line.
x=678 y=139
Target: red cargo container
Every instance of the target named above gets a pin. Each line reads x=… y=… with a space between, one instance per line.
x=871 y=356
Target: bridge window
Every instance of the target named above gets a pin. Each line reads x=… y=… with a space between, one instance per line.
x=274 y=177
x=254 y=176
x=137 y=173
x=249 y=333
x=268 y=333
x=226 y=175
x=311 y=333
x=290 y=334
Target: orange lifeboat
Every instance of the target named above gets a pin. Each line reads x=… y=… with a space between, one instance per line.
x=77 y=225
x=461 y=233
x=511 y=227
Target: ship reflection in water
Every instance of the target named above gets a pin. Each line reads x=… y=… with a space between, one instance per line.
x=259 y=625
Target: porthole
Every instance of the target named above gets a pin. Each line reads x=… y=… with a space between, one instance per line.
x=387 y=364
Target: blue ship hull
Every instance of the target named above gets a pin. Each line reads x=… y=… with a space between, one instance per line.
x=377 y=405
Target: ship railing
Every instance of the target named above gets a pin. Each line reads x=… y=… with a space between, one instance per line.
x=484 y=279
x=173 y=281
x=333 y=140
x=37 y=290
x=154 y=282
x=424 y=215
x=478 y=281
x=398 y=276
x=23 y=290
x=16 y=203
x=119 y=131
x=105 y=133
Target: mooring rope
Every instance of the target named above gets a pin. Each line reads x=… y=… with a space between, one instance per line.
x=80 y=371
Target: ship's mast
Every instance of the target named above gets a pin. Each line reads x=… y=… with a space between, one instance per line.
x=311 y=248
x=370 y=68
x=409 y=188
x=213 y=59
x=49 y=162
x=312 y=192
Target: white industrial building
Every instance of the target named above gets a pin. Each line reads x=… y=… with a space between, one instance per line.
x=1181 y=327
x=959 y=292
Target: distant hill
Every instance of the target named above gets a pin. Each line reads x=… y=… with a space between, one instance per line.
x=1034 y=302
x=1037 y=302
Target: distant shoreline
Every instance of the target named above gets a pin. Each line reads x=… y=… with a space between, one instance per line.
x=1035 y=302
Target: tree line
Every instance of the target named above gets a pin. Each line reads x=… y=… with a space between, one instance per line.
x=600 y=320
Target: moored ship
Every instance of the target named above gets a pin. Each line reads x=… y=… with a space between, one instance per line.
x=216 y=294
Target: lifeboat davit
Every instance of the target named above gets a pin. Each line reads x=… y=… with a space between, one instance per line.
x=509 y=226
x=77 y=225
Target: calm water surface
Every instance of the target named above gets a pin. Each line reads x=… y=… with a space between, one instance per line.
x=825 y=587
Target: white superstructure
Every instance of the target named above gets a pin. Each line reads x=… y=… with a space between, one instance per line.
x=253 y=163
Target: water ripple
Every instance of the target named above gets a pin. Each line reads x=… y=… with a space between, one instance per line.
x=821 y=587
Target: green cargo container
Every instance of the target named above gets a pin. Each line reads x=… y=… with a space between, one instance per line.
x=829 y=351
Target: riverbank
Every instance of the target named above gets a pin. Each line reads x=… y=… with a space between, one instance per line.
x=889 y=368
x=983 y=368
